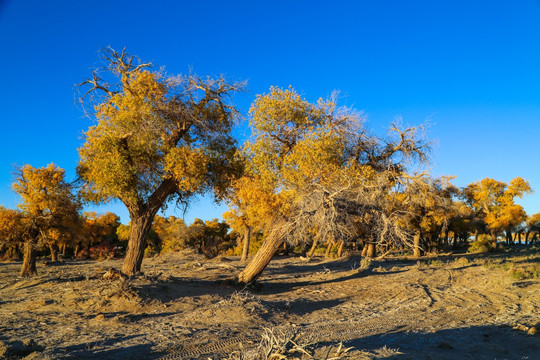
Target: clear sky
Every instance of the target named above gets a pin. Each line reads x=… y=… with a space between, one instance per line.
x=471 y=69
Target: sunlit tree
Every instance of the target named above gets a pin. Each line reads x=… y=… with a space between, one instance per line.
x=13 y=226
x=48 y=202
x=426 y=206
x=252 y=206
x=322 y=173
x=496 y=201
x=158 y=138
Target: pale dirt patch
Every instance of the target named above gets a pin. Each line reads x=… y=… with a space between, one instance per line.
x=451 y=307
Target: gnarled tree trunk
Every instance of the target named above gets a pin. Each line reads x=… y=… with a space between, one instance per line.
x=245 y=246
x=138 y=235
x=29 y=258
x=261 y=259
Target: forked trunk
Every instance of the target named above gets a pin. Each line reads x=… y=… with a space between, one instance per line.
x=245 y=248
x=29 y=258
x=54 y=252
x=416 y=245
x=261 y=259
x=138 y=235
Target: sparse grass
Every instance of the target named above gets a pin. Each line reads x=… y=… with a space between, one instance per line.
x=437 y=263
x=524 y=271
x=385 y=352
x=518 y=268
x=461 y=261
x=493 y=263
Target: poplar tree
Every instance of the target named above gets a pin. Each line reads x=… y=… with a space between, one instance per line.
x=157 y=139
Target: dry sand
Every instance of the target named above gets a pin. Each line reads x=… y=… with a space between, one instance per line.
x=451 y=307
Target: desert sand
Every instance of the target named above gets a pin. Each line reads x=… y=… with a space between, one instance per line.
x=447 y=307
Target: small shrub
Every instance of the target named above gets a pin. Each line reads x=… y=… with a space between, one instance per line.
x=101 y=251
x=320 y=250
x=483 y=244
x=365 y=264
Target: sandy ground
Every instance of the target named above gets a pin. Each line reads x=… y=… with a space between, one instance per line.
x=450 y=307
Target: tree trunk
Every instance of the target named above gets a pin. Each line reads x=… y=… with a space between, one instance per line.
x=286 y=249
x=328 y=248
x=245 y=248
x=29 y=258
x=340 y=248
x=494 y=239
x=364 y=249
x=138 y=235
x=64 y=247
x=371 y=251
x=313 y=248
x=261 y=259
x=509 y=238
x=54 y=252
x=416 y=245
x=527 y=237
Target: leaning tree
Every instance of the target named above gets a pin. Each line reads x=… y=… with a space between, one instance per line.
x=158 y=138
x=325 y=174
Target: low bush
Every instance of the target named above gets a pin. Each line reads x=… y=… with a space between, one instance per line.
x=483 y=244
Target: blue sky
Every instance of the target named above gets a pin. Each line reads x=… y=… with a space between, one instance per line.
x=471 y=69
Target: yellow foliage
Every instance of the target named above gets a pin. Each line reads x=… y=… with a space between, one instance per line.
x=495 y=199
x=188 y=166
x=45 y=195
